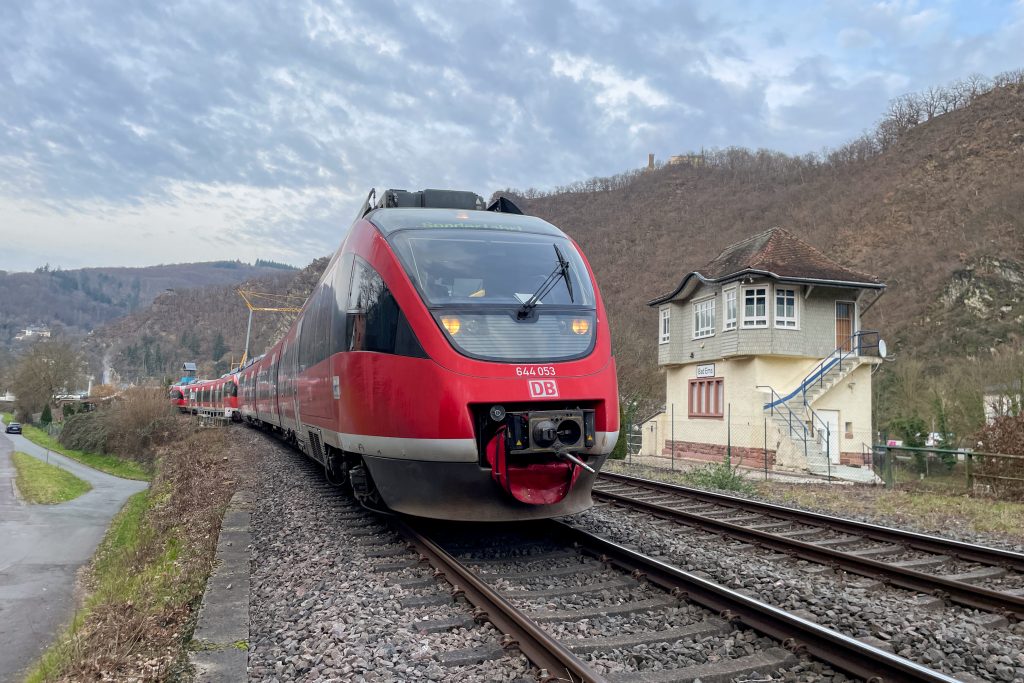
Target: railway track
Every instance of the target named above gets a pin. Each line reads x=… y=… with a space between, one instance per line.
x=983 y=578
x=607 y=580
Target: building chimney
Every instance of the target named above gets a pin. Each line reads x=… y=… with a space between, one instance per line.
x=650 y=160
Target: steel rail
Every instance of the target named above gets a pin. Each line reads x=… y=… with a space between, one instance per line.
x=553 y=659
x=933 y=544
x=798 y=635
x=959 y=592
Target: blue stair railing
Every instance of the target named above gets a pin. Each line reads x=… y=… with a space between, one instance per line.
x=857 y=344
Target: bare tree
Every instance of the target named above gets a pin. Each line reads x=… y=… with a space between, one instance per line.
x=50 y=367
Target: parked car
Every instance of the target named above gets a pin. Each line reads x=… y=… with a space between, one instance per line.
x=13 y=428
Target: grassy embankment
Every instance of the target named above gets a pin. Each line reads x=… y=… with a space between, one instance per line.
x=39 y=482
x=930 y=511
x=111 y=464
x=146 y=579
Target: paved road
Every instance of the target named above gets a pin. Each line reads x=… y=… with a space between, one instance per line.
x=41 y=548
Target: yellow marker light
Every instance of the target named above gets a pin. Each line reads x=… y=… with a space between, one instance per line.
x=580 y=326
x=453 y=325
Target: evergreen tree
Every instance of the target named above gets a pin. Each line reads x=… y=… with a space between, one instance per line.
x=47 y=416
x=219 y=347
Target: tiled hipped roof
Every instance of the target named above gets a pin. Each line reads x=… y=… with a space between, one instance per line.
x=780 y=252
x=777 y=253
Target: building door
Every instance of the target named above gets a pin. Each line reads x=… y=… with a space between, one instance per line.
x=844 y=325
x=829 y=438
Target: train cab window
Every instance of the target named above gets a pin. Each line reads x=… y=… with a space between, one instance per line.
x=232 y=389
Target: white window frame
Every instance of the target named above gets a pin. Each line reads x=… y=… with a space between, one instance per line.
x=727 y=322
x=786 y=322
x=704 y=318
x=756 y=321
x=665 y=332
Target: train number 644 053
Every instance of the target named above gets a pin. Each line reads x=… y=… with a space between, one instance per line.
x=535 y=371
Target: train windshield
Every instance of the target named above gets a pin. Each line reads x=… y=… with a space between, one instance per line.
x=503 y=295
x=492 y=267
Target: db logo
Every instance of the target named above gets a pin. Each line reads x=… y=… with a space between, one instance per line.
x=543 y=388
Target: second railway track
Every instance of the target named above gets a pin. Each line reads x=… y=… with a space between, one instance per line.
x=860 y=548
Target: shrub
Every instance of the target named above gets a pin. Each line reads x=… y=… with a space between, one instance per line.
x=85 y=432
x=129 y=428
x=1005 y=476
x=720 y=476
x=47 y=416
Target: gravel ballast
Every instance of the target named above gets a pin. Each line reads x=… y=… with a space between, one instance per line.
x=951 y=639
x=321 y=608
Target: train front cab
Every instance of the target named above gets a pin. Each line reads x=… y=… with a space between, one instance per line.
x=478 y=400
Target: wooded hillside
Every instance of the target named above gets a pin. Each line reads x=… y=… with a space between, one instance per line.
x=76 y=301
x=932 y=206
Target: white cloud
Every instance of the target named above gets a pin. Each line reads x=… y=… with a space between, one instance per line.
x=613 y=92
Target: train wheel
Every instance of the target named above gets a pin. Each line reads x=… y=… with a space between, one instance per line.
x=334 y=468
x=364 y=489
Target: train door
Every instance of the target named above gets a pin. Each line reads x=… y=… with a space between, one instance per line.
x=293 y=372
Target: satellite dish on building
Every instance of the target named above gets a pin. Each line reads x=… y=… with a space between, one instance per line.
x=882 y=350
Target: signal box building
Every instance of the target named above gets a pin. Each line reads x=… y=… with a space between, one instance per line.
x=765 y=359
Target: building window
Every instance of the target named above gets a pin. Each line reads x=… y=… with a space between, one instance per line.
x=730 y=310
x=755 y=307
x=663 y=339
x=703 y=318
x=785 y=308
x=707 y=397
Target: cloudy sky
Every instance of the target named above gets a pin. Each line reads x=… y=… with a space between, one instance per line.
x=141 y=133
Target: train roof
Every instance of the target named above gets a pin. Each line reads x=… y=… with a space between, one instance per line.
x=393 y=220
x=396 y=210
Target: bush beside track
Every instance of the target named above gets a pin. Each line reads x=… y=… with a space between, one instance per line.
x=146 y=581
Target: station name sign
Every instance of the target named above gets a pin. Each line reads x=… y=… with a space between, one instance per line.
x=706 y=370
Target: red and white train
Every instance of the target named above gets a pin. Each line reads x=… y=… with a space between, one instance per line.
x=214 y=397
x=454 y=361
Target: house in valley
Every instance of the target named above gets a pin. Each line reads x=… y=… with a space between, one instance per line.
x=765 y=360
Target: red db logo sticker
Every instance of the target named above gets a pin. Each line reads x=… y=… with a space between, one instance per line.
x=543 y=388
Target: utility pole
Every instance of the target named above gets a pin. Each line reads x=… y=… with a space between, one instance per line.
x=249 y=296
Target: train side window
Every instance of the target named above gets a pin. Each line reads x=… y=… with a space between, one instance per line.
x=372 y=312
x=374 y=321
x=342 y=281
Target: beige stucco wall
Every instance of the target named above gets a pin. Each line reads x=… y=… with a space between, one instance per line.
x=852 y=398
x=742 y=398
x=747 y=425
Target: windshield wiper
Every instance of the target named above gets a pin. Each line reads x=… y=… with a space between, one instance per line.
x=560 y=271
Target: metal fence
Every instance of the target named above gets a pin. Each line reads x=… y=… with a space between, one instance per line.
x=943 y=470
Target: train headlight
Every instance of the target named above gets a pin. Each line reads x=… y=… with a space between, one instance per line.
x=452 y=324
x=580 y=326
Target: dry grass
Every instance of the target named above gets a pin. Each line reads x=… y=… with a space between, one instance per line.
x=926 y=511
x=147 y=578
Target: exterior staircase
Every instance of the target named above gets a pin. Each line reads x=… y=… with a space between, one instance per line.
x=801 y=429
